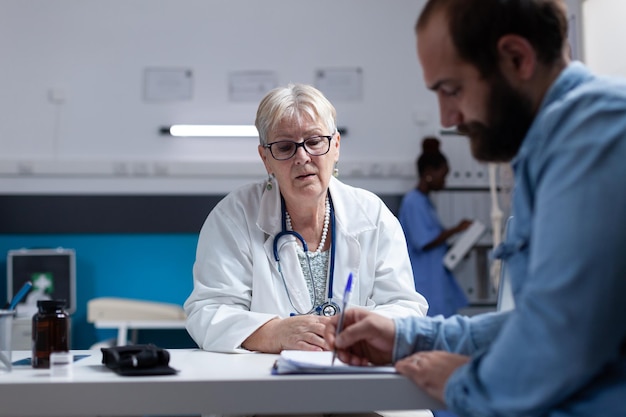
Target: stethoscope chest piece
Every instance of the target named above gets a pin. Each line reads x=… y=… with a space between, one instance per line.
x=327 y=309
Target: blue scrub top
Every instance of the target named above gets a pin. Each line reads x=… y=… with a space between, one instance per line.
x=433 y=280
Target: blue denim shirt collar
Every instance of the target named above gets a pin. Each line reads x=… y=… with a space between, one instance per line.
x=573 y=75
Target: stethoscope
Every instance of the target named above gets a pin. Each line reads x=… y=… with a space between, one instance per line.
x=327 y=308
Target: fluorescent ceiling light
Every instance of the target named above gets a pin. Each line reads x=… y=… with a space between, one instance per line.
x=213 y=131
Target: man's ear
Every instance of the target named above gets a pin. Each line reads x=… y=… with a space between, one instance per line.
x=518 y=58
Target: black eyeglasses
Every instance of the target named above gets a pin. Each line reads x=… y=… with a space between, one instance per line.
x=285 y=149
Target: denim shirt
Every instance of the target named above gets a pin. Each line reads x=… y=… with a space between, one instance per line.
x=561 y=351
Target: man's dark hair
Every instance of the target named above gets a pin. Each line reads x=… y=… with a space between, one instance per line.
x=477 y=25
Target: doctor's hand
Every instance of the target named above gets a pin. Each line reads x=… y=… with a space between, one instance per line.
x=366 y=338
x=431 y=370
x=304 y=332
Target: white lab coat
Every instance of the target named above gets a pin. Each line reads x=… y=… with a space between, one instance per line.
x=237 y=286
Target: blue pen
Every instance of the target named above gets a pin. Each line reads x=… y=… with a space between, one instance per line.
x=346 y=298
x=20 y=294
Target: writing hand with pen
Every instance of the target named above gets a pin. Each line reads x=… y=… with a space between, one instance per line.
x=368 y=338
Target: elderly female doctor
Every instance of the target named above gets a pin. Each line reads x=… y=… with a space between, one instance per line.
x=273 y=257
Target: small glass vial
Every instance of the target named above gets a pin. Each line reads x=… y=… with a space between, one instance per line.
x=61 y=364
x=51 y=331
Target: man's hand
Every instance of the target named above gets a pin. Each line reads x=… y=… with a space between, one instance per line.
x=431 y=370
x=295 y=333
x=366 y=338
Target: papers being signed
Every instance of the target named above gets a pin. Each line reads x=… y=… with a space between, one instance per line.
x=306 y=362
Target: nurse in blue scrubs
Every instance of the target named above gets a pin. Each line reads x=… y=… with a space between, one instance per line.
x=427 y=238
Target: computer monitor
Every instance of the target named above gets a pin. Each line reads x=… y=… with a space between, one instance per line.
x=52 y=272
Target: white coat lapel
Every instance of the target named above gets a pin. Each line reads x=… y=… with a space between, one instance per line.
x=294 y=285
x=294 y=282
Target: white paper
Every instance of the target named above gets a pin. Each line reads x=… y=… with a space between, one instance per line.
x=309 y=362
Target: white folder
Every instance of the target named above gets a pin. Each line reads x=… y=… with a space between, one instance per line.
x=463 y=244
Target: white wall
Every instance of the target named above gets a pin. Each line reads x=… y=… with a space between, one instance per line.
x=604 y=35
x=74 y=117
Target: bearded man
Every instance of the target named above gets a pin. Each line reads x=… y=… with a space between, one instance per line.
x=502 y=75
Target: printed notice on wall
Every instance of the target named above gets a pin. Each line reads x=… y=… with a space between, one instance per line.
x=168 y=84
x=250 y=86
x=340 y=83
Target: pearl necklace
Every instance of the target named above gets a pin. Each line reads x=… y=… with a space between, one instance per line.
x=324 y=230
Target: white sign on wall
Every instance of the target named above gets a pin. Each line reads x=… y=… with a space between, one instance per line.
x=168 y=84
x=340 y=83
x=250 y=86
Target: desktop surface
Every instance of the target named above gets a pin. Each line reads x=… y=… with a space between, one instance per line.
x=207 y=383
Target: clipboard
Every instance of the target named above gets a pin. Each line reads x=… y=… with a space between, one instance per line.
x=463 y=244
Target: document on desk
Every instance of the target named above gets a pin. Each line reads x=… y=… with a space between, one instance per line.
x=307 y=362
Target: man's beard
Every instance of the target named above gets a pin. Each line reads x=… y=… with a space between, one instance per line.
x=509 y=116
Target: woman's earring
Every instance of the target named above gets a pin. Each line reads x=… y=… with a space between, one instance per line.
x=268 y=184
x=336 y=171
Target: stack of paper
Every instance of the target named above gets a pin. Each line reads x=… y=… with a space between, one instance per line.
x=307 y=362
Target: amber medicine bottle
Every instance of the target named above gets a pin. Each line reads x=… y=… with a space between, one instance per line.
x=51 y=331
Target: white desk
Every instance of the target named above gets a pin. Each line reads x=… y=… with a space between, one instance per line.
x=123 y=326
x=208 y=383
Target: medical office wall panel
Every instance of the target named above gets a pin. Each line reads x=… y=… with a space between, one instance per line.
x=50 y=214
x=144 y=266
x=75 y=107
